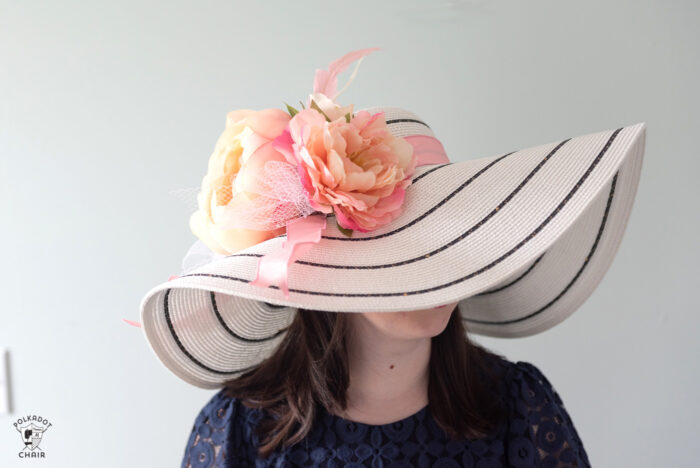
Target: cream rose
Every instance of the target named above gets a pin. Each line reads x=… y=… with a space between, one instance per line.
x=241 y=151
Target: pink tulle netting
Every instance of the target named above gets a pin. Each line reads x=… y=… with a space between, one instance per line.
x=280 y=198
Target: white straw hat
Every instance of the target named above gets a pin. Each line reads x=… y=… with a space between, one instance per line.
x=520 y=240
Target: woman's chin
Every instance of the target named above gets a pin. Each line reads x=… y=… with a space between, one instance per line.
x=423 y=323
x=412 y=324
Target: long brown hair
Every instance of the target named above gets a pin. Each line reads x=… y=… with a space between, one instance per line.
x=309 y=370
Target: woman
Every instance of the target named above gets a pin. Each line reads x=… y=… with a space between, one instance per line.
x=341 y=255
x=385 y=389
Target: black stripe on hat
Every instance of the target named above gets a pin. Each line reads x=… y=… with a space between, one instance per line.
x=458 y=280
x=393 y=121
x=573 y=280
x=432 y=169
x=184 y=350
x=501 y=288
x=215 y=308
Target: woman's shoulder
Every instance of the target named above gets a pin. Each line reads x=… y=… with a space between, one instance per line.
x=518 y=372
x=520 y=377
x=540 y=428
x=222 y=430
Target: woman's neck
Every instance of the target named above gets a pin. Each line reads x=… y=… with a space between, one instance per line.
x=388 y=376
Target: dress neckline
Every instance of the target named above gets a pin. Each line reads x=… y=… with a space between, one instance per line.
x=342 y=420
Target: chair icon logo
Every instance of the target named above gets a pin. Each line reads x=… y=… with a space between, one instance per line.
x=31 y=428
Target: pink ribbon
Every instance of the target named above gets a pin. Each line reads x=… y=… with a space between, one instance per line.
x=428 y=150
x=132 y=323
x=304 y=233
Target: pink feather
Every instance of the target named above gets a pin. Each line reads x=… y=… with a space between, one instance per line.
x=326 y=81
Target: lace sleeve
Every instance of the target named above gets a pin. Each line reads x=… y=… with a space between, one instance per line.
x=541 y=432
x=207 y=444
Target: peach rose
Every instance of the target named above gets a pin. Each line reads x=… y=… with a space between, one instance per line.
x=356 y=169
x=241 y=151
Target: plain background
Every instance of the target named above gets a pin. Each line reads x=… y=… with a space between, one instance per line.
x=108 y=106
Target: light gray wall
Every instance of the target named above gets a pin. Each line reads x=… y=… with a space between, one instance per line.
x=107 y=106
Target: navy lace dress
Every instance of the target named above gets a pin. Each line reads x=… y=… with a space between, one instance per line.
x=538 y=432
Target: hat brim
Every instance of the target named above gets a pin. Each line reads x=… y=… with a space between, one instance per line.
x=520 y=240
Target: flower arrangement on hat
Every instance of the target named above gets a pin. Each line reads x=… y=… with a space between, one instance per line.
x=271 y=167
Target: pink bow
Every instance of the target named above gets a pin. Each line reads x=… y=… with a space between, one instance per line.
x=302 y=234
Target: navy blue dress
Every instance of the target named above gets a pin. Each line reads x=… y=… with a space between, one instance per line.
x=538 y=432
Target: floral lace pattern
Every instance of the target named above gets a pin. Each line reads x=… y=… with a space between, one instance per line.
x=539 y=432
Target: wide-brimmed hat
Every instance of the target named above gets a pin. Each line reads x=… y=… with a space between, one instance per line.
x=520 y=240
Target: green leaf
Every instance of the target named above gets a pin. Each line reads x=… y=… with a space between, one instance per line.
x=315 y=106
x=347 y=232
x=348 y=117
x=292 y=111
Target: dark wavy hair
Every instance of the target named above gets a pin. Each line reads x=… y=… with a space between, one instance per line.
x=309 y=369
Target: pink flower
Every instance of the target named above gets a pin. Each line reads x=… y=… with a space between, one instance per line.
x=356 y=169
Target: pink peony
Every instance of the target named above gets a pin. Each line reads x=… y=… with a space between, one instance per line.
x=357 y=169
